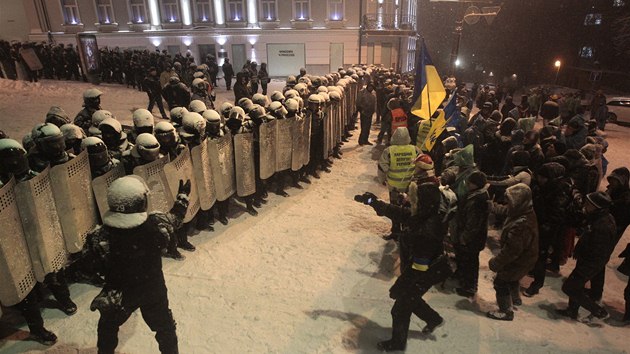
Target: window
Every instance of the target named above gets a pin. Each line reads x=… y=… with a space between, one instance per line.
x=138 y=11
x=301 y=8
x=235 y=10
x=335 y=10
x=70 y=12
x=268 y=10
x=619 y=3
x=170 y=11
x=593 y=20
x=586 y=52
x=203 y=11
x=105 y=11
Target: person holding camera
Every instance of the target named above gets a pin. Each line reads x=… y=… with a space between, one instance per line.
x=426 y=264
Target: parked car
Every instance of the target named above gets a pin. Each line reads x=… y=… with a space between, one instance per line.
x=619 y=110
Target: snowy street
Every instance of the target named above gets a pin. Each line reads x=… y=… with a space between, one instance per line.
x=310 y=273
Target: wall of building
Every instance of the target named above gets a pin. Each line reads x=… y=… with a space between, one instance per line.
x=13 y=20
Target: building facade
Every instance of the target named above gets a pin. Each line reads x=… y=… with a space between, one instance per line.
x=319 y=35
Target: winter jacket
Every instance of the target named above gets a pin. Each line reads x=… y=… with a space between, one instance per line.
x=131 y=259
x=228 y=71
x=551 y=201
x=519 y=237
x=472 y=220
x=366 y=103
x=521 y=174
x=151 y=86
x=620 y=209
x=176 y=95
x=38 y=161
x=455 y=176
x=84 y=118
x=398 y=177
x=595 y=246
x=240 y=90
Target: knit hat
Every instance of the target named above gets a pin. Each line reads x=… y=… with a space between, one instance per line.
x=600 y=200
x=520 y=158
x=478 y=179
x=424 y=161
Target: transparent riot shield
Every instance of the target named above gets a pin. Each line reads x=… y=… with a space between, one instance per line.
x=41 y=224
x=306 y=150
x=284 y=144
x=160 y=197
x=16 y=271
x=297 y=156
x=244 y=164
x=203 y=176
x=181 y=168
x=100 y=185
x=267 y=141
x=221 y=153
x=76 y=205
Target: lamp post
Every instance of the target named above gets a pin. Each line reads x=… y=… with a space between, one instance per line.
x=557 y=64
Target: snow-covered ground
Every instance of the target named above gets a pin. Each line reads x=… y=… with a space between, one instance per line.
x=310 y=274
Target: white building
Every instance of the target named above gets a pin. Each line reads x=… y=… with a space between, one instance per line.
x=319 y=35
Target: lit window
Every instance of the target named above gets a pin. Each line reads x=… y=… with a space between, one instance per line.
x=204 y=11
x=586 y=52
x=138 y=11
x=619 y=3
x=302 y=8
x=268 y=10
x=170 y=11
x=335 y=10
x=70 y=12
x=593 y=20
x=105 y=11
x=236 y=10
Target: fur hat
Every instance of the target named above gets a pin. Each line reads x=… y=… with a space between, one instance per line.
x=477 y=178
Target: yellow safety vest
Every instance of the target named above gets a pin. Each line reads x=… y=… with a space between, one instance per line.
x=401 y=166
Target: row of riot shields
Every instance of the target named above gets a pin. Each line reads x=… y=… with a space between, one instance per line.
x=49 y=216
x=284 y=144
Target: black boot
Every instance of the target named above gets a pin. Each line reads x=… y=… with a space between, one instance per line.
x=505 y=312
x=390 y=346
x=430 y=327
x=250 y=208
x=182 y=241
x=43 y=336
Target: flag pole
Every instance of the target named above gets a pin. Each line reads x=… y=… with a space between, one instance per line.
x=424 y=47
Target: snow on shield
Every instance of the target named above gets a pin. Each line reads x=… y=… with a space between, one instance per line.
x=203 y=176
x=267 y=141
x=222 y=165
x=100 y=185
x=160 y=198
x=245 y=168
x=181 y=168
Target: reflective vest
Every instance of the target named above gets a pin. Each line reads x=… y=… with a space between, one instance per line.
x=401 y=166
x=399 y=119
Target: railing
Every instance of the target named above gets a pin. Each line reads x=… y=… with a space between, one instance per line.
x=376 y=21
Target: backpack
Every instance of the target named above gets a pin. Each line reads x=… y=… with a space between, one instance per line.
x=448 y=204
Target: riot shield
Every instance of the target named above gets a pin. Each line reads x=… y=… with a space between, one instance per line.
x=244 y=164
x=297 y=155
x=31 y=59
x=267 y=141
x=222 y=164
x=306 y=150
x=76 y=206
x=203 y=176
x=160 y=198
x=16 y=271
x=284 y=144
x=41 y=224
x=181 y=168
x=100 y=185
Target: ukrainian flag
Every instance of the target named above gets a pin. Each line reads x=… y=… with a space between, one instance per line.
x=428 y=92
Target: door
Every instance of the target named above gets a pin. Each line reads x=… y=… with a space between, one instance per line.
x=336 y=56
x=173 y=50
x=205 y=49
x=386 y=54
x=239 y=57
x=370 y=53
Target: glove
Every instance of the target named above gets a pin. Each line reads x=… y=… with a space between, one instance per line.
x=184 y=187
x=366 y=198
x=109 y=300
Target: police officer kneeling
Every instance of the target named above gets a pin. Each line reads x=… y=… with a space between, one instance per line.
x=426 y=267
x=128 y=248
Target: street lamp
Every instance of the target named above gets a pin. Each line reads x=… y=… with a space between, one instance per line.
x=557 y=64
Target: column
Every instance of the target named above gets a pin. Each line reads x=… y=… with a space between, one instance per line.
x=219 y=14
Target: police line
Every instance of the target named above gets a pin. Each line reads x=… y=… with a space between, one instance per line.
x=44 y=220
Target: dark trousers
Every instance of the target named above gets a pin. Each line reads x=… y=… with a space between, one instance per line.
x=155 y=312
x=597 y=285
x=157 y=99
x=366 y=124
x=540 y=268
x=404 y=307
x=467 y=267
x=574 y=288
x=264 y=88
x=29 y=308
x=507 y=293
x=228 y=82
x=58 y=286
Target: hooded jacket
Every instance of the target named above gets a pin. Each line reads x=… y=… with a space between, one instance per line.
x=620 y=208
x=595 y=246
x=519 y=237
x=472 y=220
x=402 y=154
x=551 y=200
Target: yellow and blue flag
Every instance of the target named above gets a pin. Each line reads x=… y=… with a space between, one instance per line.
x=428 y=92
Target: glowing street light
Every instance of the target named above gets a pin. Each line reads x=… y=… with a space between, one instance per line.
x=458 y=63
x=557 y=64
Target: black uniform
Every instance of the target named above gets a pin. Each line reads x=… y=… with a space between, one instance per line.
x=131 y=262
